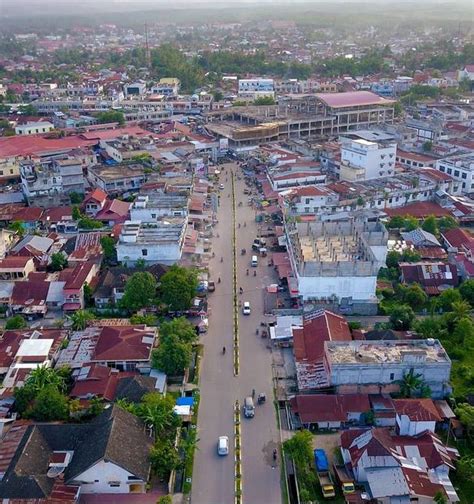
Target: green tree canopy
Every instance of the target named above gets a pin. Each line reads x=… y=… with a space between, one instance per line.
x=466 y=289
x=48 y=405
x=15 y=322
x=430 y=225
x=447 y=298
x=108 y=246
x=402 y=317
x=178 y=288
x=140 y=291
x=300 y=447
x=172 y=356
x=413 y=295
x=111 y=116
x=58 y=261
x=180 y=327
x=80 y=319
x=465 y=413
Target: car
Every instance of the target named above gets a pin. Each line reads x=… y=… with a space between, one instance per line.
x=223 y=446
x=246 y=308
x=221 y=186
x=211 y=286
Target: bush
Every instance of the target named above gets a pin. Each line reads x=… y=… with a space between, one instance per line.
x=15 y=322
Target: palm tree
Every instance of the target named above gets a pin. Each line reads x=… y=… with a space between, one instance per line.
x=460 y=309
x=410 y=383
x=44 y=376
x=80 y=319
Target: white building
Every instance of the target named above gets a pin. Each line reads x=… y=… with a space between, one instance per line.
x=365 y=160
x=160 y=242
x=168 y=87
x=256 y=88
x=337 y=261
x=153 y=207
x=34 y=128
x=414 y=416
x=461 y=168
x=135 y=89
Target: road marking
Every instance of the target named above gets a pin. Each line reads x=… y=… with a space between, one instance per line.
x=237 y=455
x=234 y=284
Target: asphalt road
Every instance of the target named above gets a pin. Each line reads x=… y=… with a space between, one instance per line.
x=213 y=478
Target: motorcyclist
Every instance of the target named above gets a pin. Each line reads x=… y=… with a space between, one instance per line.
x=223 y=350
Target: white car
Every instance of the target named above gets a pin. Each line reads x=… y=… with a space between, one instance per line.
x=221 y=186
x=223 y=445
x=246 y=308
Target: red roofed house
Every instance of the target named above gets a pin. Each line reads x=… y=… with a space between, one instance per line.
x=96 y=381
x=308 y=346
x=127 y=348
x=399 y=468
x=311 y=199
x=94 y=202
x=29 y=298
x=330 y=411
x=460 y=239
x=113 y=212
x=432 y=276
x=415 y=416
x=75 y=278
x=16 y=267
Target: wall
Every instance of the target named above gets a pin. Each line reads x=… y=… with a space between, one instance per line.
x=100 y=474
x=166 y=253
x=410 y=428
x=357 y=288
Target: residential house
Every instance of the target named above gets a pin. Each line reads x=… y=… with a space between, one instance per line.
x=330 y=411
x=16 y=267
x=433 y=277
x=118 y=179
x=415 y=416
x=399 y=468
x=36 y=247
x=108 y=455
x=114 y=212
x=308 y=346
x=94 y=202
x=75 y=279
x=383 y=410
x=29 y=298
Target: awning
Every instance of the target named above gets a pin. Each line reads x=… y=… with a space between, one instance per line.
x=71 y=306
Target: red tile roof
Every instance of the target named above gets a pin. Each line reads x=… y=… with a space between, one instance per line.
x=37 y=144
x=100 y=381
x=114 y=210
x=14 y=262
x=417 y=410
x=352 y=99
x=76 y=277
x=56 y=214
x=30 y=293
x=123 y=343
x=28 y=214
x=96 y=195
x=459 y=237
x=319 y=327
x=419 y=209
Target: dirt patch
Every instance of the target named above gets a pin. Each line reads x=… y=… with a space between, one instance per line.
x=329 y=443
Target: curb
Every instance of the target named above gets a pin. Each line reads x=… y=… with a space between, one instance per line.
x=237 y=455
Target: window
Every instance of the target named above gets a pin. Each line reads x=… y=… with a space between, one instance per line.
x=463 y=175
x=442 y=168
x=144 y=252
x=153 y=215
x=456 y=173
x=449 y=171
x=307 y=201
x=114 y=483
x=392 y=376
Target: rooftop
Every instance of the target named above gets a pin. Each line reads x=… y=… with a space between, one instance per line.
x=385 y=352
x=353 y=99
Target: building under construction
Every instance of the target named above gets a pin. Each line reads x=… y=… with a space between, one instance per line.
x=296 y=116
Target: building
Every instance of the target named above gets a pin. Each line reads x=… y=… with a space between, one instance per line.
x=461 y=168
x=364 y=160
x=153 y=206
x=159 y=242
x=379 y=366
x=337 y=262
x=135 y=89
x=399 y=468
x=256 y=88
x=168 y=86
x=108 y=455
x=34 y=128
x=415 y=416
x=310 y=200
x=118 y=179
x=433 y=276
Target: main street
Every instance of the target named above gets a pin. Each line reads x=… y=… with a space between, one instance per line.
x=213 y=478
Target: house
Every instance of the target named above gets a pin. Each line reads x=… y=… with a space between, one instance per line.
x=399 y=468
x=16 y=268
x=114 y=212
x=36 y=247
x=29 y=298
x=383 y=410
x=415 y=416
x=34 y=128
x=85 y=247
x=459 y=239
x=94 y=202
x=330 y=411
x=420 y=238
x=108 y=455
x=118 y=179
x=308 y=346
x=433 y=277
x=75 y=279
x=95 y=380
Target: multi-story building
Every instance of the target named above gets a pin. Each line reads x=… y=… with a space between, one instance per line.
x=135 y=88
x=365 y=160
x=168 y=86
x=337 y=262
x=34 y=128
x=118 y=179
x=158 y=242
x=380 y=366
x=461 y=168
x=153 y=206
x=256 y=88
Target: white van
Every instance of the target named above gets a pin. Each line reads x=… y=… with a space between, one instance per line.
x=249 y=408
x=254 y=261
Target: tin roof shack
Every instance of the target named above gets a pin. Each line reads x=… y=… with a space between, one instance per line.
x=379 y=366
x=338 y=261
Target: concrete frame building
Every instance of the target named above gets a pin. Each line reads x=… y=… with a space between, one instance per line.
x=153 y=207
x=379 y=366
x=338 y=262
x=461 y=168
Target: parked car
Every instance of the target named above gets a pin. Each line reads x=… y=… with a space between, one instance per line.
x=246 y=308
x=211 y=286
x=249 y=407
x=223 y=445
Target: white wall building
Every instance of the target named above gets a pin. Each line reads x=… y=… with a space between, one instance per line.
x=256 y=88
x=461 y=168
x=34 y=128
x=365 y=160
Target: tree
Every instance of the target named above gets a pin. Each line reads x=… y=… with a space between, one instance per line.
x=76 y=213
x=164 y=458
x=76 y=198
x=172 y=356
x=430 y=225
x=180 y=327
x=402 y=317
x=149 y=319
x=15 y=322
x=218 y=95
x=300 y=447
x=88 y=299
x=86 y=222
x=460 y=310
x=447 y=298
x=140 y=291
x=178 y=288
x=440 y=498
x=431 y=327
x=111 y=116
x=43 y=376
x=18 y=227
x=396 y=222
x=108 y=247
x=49 y=404
x=410 y=223
x=397 y=109
x=427 y=146
x=466 y=289
x=165 y=499
x=264 y=100
x=157 y=412
x=410 y=384
x=58 y=261
x=447 y=222
x=463 y=333
x=80 y=319
x=414 y=296
x=465 y=413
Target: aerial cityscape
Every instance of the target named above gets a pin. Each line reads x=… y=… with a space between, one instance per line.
x=236 y=252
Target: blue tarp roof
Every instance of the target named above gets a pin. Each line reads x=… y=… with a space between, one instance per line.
x=321 y=460
x=185 y=401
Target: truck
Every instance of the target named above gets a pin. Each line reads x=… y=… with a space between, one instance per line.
x=344 y=480
x=324 y=476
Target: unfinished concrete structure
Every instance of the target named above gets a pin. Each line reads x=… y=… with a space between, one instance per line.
x=379 y=366
x=337 y=262
x=315 y=115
